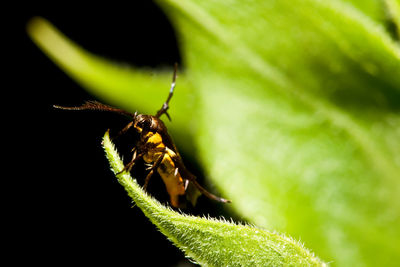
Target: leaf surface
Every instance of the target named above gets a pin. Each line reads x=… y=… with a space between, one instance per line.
x=300 y=119
x=213 y=242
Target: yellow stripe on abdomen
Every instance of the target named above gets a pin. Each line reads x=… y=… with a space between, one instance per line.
x=174 y=184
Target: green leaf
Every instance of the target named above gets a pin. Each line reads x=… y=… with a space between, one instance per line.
x=306 y=99
x=393 y=12
x=298 y=116
x=212 y=242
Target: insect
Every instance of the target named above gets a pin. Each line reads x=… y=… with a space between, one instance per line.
x=156 y=148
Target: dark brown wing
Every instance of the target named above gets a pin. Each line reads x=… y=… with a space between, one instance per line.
x=159 y=126
x=192 y=179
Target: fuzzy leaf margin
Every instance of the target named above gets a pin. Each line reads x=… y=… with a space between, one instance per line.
x=212 y=242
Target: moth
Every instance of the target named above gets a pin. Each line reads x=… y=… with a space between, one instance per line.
x=156 y=148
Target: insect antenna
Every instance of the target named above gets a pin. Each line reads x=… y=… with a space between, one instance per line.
x=97 y=106
x=165 y=106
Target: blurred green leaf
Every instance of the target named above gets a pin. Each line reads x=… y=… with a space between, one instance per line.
x=299 y=117
x=212 y=242
x=393 y=14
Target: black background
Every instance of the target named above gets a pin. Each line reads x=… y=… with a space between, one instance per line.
x=65 y=206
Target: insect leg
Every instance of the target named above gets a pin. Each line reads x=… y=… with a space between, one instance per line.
x=125 y=129
x=129 y=166
x=154 y=167
x=138 y=152
x=165 y=106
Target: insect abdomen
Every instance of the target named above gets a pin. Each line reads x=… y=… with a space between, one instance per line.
x=172 y=179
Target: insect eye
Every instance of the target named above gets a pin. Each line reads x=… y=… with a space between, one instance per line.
x=145 y=124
